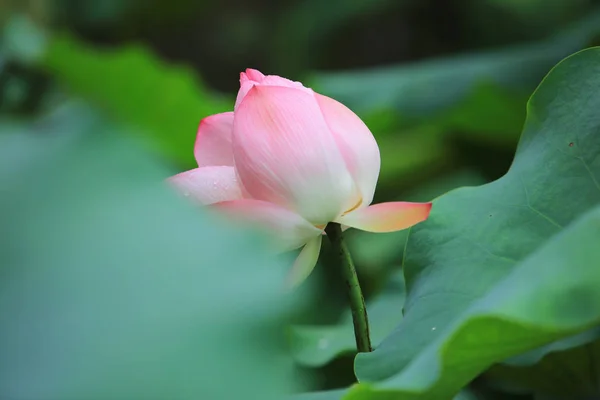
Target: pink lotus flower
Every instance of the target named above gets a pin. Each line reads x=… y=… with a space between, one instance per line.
x=291 y=160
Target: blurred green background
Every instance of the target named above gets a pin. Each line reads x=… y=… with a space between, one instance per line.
x=443 y=85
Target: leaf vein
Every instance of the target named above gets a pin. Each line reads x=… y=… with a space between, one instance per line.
x=590 y=172
x=535 y=210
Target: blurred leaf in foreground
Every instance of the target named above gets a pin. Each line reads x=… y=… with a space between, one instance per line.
x=114 y=288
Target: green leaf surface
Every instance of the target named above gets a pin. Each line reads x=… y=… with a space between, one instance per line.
x=165 y=101
x=315 y=346
x=491 y=273
x=513 y=317
x=113 y=287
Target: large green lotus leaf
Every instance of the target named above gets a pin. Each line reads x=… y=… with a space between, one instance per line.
x=115 y=288
x=476 y=237
x=549 y=295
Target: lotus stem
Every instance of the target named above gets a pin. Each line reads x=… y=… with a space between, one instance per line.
x=357 y=301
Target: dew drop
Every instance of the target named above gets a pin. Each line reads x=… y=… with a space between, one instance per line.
x=323 y=343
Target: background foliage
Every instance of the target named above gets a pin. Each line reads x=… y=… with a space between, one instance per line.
x=113 y=288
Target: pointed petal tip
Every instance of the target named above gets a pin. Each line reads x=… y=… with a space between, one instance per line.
x=305 y=263
x=426 y=207
x=387 y=217
x=254 y=74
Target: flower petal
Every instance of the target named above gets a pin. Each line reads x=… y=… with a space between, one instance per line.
x=245 y=85
x=356 y=143
x=208 y=185
x=288 y=229
x=213 y=142
x=253 y=75
x=387 y=217
x=284 y=153
x=252 y=78
x=305 y=262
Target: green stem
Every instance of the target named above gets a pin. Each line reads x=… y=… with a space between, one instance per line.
x=357 y=301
